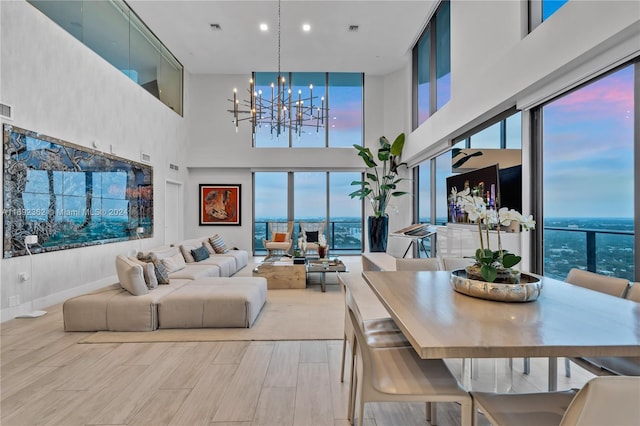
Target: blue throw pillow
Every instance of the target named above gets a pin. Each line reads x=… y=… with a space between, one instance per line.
x=201 y=253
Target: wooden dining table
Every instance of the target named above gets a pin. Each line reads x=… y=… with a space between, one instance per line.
x=565 y=321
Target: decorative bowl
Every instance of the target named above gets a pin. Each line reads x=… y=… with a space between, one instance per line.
x=527 y=290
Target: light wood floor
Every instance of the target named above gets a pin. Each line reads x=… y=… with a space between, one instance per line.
x=48 y=378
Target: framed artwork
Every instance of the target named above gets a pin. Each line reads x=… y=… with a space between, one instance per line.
x=219 y=204
x=69 y=195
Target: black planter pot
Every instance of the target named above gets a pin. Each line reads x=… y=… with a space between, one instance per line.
x=378 y=233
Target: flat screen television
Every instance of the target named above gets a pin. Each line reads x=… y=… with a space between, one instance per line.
x=499 y=187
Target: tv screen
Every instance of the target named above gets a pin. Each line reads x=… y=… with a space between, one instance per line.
x=70 y=196
x=498 y=187
x=482 y=182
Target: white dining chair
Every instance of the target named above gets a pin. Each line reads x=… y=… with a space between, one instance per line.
x=634 y=293
x=398 y=374
x=604 y=284
x=379 y=332
x=418 y=264
x=450 y=263
x=601 y=401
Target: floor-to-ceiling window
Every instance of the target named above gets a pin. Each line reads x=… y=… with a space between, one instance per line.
x=330 y=107
x=541 y=10
x=309 y=197
x=432 y=66
x=270 y=204
x=588 y=177
x=499 y=141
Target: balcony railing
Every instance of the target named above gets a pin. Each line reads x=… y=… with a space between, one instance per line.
x=343 y=237
x=604 y=251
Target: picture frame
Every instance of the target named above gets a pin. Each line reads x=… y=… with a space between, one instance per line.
x=219 y=204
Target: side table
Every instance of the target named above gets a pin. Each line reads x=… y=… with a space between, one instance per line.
x=322 y=266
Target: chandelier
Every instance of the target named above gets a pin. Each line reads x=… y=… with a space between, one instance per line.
x=279 y=111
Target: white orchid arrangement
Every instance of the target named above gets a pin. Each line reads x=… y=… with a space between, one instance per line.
x=477 y=211
x=322 y=241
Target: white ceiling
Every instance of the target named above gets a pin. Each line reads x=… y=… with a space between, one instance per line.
x=387 y=31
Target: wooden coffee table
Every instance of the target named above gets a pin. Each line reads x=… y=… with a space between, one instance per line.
x=322 y=266
x=282 y=274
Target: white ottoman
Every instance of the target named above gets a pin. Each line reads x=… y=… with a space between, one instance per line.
x=214 y=303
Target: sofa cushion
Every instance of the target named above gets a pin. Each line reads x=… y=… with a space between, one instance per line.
x=218 y=244
x=279 y=237
x=162 y=276
x=200 y=253
x=130 y=276
x=186 y=253
x=174 y=263
x=206 y=244
x=148 y=272
x=214 y=302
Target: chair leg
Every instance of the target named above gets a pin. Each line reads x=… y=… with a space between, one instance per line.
x=344 y=352
x=428 y=410
x=360 y=411
x=527 y=365
x=353 y=383
x=567 y=367
x=434 y=414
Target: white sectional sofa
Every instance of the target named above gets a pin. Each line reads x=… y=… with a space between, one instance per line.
x=167 y=287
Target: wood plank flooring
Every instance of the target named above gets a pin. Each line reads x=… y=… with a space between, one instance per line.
x=46 y=378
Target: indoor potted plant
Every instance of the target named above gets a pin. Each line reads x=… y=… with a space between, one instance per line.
x=379 y=186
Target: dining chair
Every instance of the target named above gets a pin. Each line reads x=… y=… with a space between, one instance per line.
x=601 y=401
x=452 y=263
x=604 y=284
x=634 y=292
x=614 y=365
x=418 y=264
x=397 y=374
x=379 y=332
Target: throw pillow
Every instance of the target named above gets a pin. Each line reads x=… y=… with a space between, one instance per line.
x=162 y=276
x=209 y=247
x=312 y=236
x=174 y=263
x=148 y=272
x=161 y=272
x=150 y=276
x=200 y=254
x=279 y=237
x=130 y=276
x=218 y=244
x=186 y=253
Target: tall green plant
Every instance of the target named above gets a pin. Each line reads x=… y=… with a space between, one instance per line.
x=381 y=182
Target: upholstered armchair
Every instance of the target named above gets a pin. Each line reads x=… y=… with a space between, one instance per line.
x=312 y=231
x=280 y=242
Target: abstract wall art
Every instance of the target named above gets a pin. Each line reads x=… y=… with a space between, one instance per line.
x=219 y=204
x=70 y=196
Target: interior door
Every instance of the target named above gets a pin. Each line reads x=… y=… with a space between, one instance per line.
x=173 y=208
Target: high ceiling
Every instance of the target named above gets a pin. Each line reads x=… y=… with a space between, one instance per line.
x=382 y=44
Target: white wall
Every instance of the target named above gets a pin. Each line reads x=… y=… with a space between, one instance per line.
x=60 y=88
x=217 y=154
x=494 y=68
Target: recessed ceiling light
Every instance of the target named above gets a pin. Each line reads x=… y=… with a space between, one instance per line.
x=306 y=28
x=264 y=27
x=215 y=27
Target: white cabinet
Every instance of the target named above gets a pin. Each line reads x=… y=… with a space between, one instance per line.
x=461 y=240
